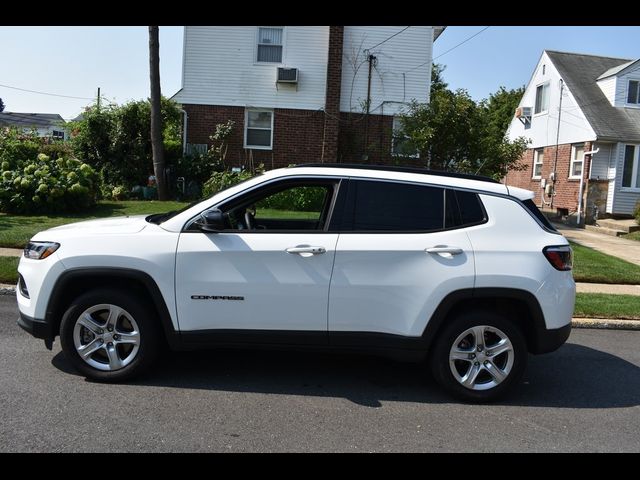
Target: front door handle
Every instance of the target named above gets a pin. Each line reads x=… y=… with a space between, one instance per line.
x=305 y=249
x=439 y=249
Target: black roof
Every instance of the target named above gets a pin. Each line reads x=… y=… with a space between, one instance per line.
x=580 y=73
x=394 y=168
x=27 y=120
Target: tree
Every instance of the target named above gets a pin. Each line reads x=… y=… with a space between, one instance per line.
x=156 y=119
x=454 y=133
x=437 y=81
x=1 y=105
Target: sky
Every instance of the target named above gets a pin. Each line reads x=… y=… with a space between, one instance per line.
x=75 y=61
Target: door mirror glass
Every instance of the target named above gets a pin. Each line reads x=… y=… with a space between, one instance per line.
x=211 y=221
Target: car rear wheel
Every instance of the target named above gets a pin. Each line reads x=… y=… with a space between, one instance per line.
x=109 y=335
x=479 y=356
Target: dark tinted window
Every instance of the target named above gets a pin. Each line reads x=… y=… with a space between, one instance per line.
x=538 y=214
x=471 y=210
x=396 y=206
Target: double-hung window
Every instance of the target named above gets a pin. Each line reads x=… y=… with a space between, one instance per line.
x=538 y=160
x=258 y=129
x=577 y=161
x=269 y=45
x=542 y=98
x=633 y=92
x=631 y=168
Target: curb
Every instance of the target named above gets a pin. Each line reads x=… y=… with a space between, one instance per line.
x=7 y=289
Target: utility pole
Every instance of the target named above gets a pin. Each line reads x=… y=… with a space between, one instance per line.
x=555 y=162
x=98 y=98
x=371 y=59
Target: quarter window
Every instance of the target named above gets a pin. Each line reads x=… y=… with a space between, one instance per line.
x=542 y=98
x=631 y=169
x=538 y=160
x=258 y=132
x=388 y=206
x=577 y=161
x=633 y=93
x=269 y=45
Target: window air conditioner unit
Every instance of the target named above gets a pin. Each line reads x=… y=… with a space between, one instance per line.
x=287 y=75
x=523 y=112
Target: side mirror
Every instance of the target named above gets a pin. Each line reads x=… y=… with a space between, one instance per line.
x=212 y=221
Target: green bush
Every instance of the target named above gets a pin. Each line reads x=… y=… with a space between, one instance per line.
x=48 y=185
x=306 y=199
x=223 y=180
x=17 y=147
x=636 y=212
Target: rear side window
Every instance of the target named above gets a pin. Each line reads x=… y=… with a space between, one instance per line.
x=464 y=209
x=389 y=206
x=538 y=214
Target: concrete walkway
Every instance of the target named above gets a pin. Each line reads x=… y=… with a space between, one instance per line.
x=628 y=250
x=607 y=288
x=10 y=252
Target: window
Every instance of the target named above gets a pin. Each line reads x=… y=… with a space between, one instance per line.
x=293 y=207
x=577 y=160
x=631 y=169
x=538 y=160
x=269 y=45
x=464 y=209
x=542 y=98
x=401 y=144
x=533 y=209
x=57 y=134
x=258 y=131
x=388 y=206
x=633 y=94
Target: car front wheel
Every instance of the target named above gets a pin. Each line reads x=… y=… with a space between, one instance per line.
x=109 y=335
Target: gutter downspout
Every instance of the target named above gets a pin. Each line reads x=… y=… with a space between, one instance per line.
x=591 y=153
x=184 y=132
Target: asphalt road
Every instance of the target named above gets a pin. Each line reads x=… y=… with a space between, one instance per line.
x=584 y=397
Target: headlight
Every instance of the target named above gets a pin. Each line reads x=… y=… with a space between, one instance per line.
x=40 y=250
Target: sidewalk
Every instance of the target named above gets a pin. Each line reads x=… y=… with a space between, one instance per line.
x=628 y=250
x=10 y=252
x=607 y=288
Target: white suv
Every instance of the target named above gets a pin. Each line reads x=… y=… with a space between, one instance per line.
x=460 y=270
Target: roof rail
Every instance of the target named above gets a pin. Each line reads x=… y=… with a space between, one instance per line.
x=394 y=168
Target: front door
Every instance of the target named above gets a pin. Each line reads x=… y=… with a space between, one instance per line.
x=268 y=270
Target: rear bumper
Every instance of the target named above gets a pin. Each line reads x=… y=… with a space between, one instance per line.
x=37 y=328
x=551 y=340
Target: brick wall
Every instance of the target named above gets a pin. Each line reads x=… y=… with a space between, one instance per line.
x=332 y=97
x=566 y=189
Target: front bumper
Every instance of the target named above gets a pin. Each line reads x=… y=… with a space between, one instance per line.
x=37 y=328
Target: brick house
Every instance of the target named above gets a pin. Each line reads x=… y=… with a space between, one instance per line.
x=582 y=116
x=299 y=94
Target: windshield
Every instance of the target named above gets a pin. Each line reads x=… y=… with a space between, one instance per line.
x=158 y=218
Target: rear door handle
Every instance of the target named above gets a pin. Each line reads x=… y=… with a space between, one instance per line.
x=306 y=249
x=444 y=249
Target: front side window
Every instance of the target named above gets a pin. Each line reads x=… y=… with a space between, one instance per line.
x=258 y=132
x=577 y=161
x=538 y=160
x=633 y=92
x=542 y=98
x=292 y=208
x=270 y=44
x=631 y=169
x=388 y=206
x=401 y=144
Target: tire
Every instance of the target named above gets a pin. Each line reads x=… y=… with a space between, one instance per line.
x=472 y=372
x=124 y=352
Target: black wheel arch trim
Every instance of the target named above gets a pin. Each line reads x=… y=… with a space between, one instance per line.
x=539 y=338
x=55 y=299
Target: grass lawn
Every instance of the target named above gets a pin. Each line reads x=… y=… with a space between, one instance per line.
x=602 y=305
x=632 y=236
x=16 y=230
x=592 y=266
x=267 y=213
x=9 y=269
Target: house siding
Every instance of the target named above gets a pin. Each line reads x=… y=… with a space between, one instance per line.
x=623 y=201
x=608 y=87
x=391 y=82
x=622 y=82
x=219 y=68
x=600 y=161
x=574 y=127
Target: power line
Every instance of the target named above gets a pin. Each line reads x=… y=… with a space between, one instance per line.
x=452 y=48
x=45 y=93
x=386 y=40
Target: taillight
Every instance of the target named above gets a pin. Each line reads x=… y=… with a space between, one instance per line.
x=561 y=257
